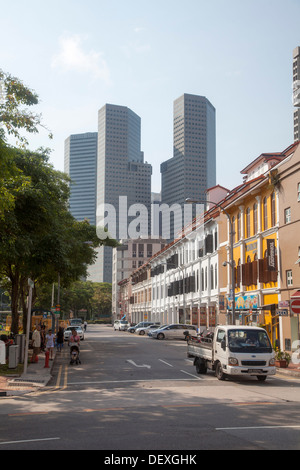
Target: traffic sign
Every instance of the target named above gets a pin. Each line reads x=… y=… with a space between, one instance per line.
x=295 y=306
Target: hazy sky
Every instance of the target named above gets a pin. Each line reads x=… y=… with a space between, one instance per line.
x=78 y=55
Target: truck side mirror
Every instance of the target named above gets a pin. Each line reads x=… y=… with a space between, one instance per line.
x=223 y=344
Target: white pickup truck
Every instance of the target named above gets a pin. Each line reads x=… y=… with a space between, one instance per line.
x=235 y=351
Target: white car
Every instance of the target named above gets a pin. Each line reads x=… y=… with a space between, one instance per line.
x=121 y=325
x=174 y=331
x=68 y=332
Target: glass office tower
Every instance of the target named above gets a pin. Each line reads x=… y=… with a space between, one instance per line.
x=192 y=170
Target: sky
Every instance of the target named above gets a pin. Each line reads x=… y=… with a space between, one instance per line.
x=79 y=55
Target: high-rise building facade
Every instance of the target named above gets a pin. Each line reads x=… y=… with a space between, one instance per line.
x=296 y=92
x=192 y=169
x=81 y=166
x=121 y=173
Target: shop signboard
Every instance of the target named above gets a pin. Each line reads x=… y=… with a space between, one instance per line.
x=245 y=302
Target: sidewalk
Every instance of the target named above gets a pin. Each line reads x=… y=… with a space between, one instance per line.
x=292 y=370
x=37 y=377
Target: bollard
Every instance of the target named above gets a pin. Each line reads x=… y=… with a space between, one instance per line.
x=47 y=354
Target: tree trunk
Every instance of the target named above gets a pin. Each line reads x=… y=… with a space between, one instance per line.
x=15 y=289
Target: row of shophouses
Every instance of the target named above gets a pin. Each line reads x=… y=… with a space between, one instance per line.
x=250 y=234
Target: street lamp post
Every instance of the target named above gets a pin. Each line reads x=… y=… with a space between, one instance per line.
x=232 y=233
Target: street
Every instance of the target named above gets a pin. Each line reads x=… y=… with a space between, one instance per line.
x=135 y=393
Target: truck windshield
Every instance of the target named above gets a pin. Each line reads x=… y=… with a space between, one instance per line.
x=243 y=340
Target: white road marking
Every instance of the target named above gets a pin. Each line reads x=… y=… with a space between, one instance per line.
x=145 y=366
x=257 y=427
x=30 y=440
x=198 y=378
x=165 y=363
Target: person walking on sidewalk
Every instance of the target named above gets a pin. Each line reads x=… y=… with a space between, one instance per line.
x=36 y=343
x=60 y=339
x=50 y=343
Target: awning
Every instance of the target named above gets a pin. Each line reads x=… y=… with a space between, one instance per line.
x=296 y=294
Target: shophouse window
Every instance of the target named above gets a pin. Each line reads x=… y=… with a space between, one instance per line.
x=255 y=226
x=265 y=204
x=289 y=278
x=287 y=215
x=248 y=223
x=273 y=210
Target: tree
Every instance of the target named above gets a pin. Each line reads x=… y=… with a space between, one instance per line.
x=15 y=100
x=39 y=238
x=102 y=299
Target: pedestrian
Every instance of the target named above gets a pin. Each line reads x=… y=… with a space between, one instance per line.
x=60 y=339
x=43 y=334
x=36 y=343
x=85 y=325
x=50 y=343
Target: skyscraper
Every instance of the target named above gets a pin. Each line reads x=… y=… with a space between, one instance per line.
x=81 y=166
x=296 y=92
x=121 y=173
x=192 y=169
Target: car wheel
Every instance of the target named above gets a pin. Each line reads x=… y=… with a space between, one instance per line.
x=142 y=332
x=160 y=336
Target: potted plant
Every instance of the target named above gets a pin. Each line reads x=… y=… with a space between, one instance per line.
x=282 y=359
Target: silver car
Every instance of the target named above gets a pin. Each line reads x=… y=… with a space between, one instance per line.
x=174 y=331
x=146 y=329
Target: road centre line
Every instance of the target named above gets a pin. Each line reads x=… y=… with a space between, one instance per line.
x=30 y=440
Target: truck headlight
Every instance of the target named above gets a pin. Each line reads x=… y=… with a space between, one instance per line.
x=232 y=361
x=272 y=362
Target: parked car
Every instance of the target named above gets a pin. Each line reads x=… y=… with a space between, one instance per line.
x=68 y=332
x=141 y=324
x=150 y=332
x=121 y=325
x=145 y=329
x=174 y=331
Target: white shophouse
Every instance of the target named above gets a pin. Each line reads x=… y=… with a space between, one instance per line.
x=185 y=279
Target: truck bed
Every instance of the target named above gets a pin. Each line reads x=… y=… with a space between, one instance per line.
x=200 y=348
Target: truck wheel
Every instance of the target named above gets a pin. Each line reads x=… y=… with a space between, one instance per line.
x=219 y=372
x=200 y=367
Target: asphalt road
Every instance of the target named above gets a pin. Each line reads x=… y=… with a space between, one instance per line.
x=134 y=393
